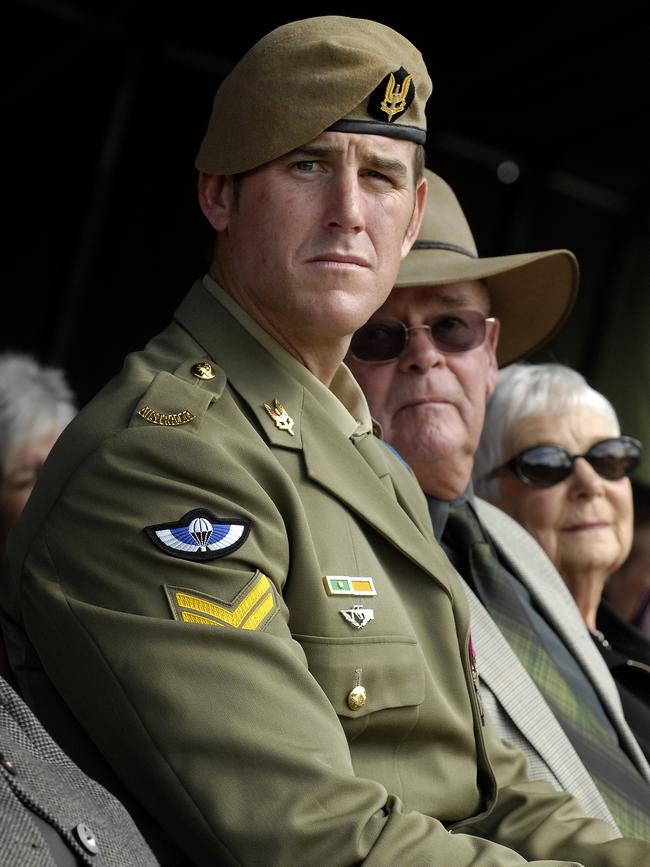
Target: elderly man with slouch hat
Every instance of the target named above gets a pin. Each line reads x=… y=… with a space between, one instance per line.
x=224 y=585
x=427 y=360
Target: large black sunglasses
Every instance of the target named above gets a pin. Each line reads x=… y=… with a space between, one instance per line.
x=385 y=339
x=545 y=465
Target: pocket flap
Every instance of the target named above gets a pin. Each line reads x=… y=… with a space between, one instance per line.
x=390 y=670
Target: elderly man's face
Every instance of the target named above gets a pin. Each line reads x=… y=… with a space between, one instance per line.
x=315 y=238
x=431 y=404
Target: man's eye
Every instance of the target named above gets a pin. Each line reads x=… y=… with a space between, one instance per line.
x=449 y=323
x=375 y=333
x=306 y=165
x=379 y=176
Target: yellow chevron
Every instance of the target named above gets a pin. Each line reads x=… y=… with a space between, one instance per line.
x=232 y=615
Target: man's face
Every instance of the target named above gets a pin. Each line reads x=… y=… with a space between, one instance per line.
x=313 y=240
x=431 y=404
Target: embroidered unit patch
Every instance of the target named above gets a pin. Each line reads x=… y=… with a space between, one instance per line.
x=199 y=535
x=249 y=610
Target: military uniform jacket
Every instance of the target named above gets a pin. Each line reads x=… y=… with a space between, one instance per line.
x=39 y=782
x=218 y=688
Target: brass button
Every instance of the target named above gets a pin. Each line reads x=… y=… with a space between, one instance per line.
x=203 y=370
x=357 y=698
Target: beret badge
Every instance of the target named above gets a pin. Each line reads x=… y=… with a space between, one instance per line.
x=392 y=96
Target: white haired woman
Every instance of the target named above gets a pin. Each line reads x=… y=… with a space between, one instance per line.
x=36 y=403
x=552 y=456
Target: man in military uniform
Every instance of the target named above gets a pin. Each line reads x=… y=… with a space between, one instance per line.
x=224 y=583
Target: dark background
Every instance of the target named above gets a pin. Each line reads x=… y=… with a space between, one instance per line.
x=105 y=103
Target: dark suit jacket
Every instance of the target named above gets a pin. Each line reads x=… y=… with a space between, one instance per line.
x=626 y=650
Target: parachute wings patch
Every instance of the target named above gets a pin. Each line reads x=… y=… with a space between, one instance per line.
x=199 y=535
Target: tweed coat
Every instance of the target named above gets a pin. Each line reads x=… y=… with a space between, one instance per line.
x=514 y=701
x=36 y=777
x=552 y=598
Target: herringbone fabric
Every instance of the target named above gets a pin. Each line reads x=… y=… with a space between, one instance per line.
x=620 y=784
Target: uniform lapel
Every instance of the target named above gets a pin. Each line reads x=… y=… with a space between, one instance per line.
x=339 y=467
x=331 y=460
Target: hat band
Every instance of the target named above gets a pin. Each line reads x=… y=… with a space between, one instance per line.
x=443 y=245
x=377 y=127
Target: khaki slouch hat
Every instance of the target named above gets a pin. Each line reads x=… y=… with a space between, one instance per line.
x=309 y=76
x=531 y=293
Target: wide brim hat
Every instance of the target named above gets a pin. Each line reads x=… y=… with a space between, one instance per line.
x=531 y=294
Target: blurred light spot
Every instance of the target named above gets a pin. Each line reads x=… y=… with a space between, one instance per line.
x=508 y=172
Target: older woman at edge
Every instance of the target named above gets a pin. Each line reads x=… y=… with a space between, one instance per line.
x=552 y=456
x=36 y=403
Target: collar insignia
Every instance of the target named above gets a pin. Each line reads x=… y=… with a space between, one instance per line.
x=280 y=416
x=392 y=96
x=199 y=535
x=359 y=616
x=203 y=370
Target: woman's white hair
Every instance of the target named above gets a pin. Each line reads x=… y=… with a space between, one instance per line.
x=33 y=399
x=525 y=390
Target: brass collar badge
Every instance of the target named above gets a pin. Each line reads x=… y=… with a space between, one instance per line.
x=280 y=416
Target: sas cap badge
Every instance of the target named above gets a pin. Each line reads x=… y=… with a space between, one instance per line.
x=392 y=96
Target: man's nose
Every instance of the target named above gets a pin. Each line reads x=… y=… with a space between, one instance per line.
x=344 y=207
x=420 y=353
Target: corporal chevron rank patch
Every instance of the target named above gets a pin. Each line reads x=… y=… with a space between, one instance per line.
x=199 y=535
x=250 y=609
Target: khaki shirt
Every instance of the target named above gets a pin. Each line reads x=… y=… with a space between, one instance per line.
x=252 y=702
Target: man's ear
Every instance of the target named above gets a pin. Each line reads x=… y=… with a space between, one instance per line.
x=491 y=343
x=216 y=199
x=416 y=218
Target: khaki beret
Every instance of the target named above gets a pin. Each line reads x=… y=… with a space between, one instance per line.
x=530 y=293
x=306 y=77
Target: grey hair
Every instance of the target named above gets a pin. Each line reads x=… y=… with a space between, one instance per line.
x=525 y=390
x=33 y=399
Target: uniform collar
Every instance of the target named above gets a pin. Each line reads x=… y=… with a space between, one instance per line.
x=343 y=401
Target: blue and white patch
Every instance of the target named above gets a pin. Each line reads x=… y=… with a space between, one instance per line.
x=199 y=535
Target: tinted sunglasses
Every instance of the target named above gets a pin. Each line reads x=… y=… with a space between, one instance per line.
x=385 y=339
x=544 y=466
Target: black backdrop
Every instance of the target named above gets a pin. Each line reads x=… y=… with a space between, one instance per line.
x=105 y=103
